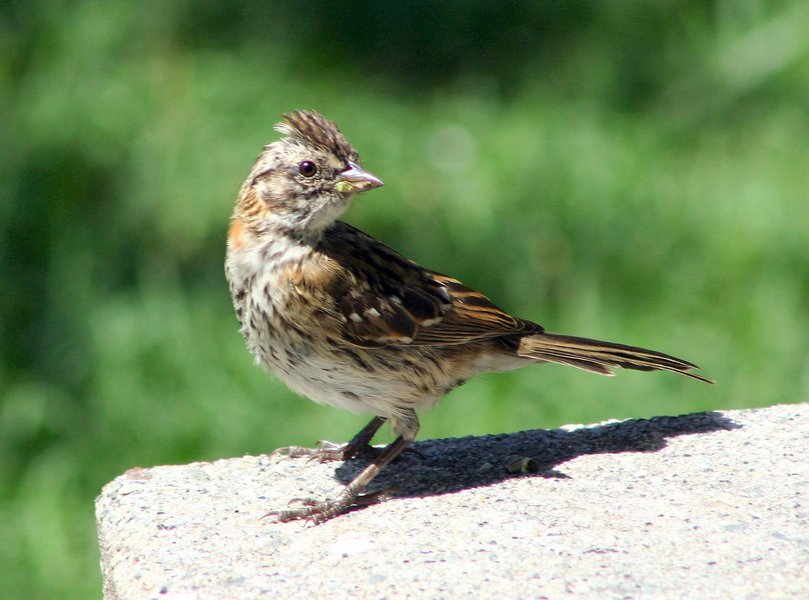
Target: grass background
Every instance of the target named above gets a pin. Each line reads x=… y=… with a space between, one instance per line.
x=626 y=170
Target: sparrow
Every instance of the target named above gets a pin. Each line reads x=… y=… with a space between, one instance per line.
x=346 y=321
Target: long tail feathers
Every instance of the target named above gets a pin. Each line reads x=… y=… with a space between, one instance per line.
x=599 y=357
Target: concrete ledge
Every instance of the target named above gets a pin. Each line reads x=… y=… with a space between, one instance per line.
x=703 y=505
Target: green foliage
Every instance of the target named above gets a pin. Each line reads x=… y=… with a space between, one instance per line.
x=632 y=171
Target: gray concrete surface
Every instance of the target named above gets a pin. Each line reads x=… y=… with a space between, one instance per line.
x=709 y=505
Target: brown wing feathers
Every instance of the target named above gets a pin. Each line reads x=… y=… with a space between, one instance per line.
x=472 y=317
x=372 y=320
x=405 y=304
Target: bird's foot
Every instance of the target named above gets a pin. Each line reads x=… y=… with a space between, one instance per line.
x=319 y=511
x=328 y=451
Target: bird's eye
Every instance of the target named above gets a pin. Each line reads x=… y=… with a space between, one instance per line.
x=307 y=168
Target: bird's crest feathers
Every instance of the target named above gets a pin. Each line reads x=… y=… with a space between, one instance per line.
x=311 y=128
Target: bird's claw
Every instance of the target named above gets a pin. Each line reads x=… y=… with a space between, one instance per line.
x=326 y=451
x=316 y=512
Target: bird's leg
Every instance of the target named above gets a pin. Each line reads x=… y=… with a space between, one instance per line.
x=318 y=511
x=328 y=451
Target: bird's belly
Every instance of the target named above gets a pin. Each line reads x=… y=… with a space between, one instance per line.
x=357 y=380
x=315 y=362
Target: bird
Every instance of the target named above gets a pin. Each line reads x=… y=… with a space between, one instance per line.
x=346 y=321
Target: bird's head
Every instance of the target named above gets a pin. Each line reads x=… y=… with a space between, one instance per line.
x=303 y=182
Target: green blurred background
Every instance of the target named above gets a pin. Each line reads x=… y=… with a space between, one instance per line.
x=635 y=171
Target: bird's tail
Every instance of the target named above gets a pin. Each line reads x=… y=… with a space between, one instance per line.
x=599 y=357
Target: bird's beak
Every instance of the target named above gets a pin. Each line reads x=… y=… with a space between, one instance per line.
x=355 y=179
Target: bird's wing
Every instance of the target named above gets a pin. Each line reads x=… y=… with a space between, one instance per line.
x=391 y=300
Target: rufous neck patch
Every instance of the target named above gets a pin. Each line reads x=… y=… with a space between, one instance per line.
x=236 y=234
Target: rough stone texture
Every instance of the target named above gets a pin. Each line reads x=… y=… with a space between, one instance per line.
x=703 y=505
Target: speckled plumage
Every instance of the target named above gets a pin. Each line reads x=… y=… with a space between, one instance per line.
x=346 y=321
